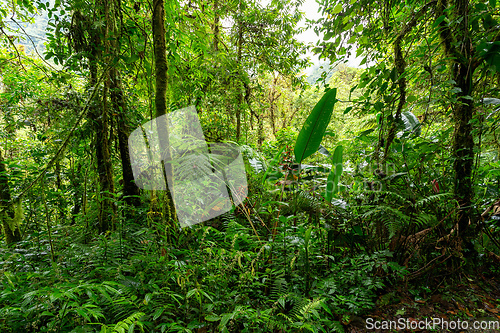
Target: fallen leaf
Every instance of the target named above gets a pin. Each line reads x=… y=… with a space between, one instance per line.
x=492 y=310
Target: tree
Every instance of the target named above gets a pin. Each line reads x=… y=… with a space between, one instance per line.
x=161 y=78
x=414 y=30
x=10 y=222
x=119 y=104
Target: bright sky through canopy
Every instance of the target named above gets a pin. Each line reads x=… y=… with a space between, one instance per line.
x=311 y=10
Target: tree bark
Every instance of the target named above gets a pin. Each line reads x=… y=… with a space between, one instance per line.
x=463 y=141
x=457 y=45
x=240 y=71
x=130 y=190
x=98 y=114
x=7 y=212
x=216 y=25
x=161 y=71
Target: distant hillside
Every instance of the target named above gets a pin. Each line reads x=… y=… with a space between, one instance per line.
x=320 y=69
x=30 y=35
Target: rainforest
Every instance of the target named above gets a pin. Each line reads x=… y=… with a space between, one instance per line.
x=249 y=166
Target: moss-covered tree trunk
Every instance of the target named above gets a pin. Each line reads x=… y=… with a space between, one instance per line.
x=119 y=106
x=130 y=190
x=216 y=25
x=99 y=116
x=7 y=212
x=161 y=72
x=239 y=107
x=457 y=43
x=463 y=147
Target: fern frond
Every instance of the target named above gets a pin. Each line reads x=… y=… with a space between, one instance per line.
x=425 y=220
x=310 y=309
x=433 y=199
x=278 y=289
x=128 y=324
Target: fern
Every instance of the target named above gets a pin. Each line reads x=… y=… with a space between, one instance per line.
x=411 y=125
x=278 y=289
x=227 y=218
x=337 y=327
x=255 y=159
x=308 y=202
x=432 y=199
x=392 y=218
x=424 y=220
x=126 y=325
x=310 y=309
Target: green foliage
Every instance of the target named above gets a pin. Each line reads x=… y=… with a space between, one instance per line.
x=314 y=127
x=313 y=245
x=332 y=185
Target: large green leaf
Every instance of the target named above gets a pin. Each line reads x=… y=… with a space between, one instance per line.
x=332 y=185
x=314 y=127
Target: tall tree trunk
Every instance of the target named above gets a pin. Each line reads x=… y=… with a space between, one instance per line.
x=160 y=54
x=463 y=111
x=76 y=182
x=240 y=70
x=216 y=25
x=130 y=190
x=7 y=212
x=98 y=114
x=104 y=168
x=456 y=44
x=260 y=130
x=161 y=71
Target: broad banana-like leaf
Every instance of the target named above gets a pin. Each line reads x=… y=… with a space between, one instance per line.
x=314 y=127
x=332 y=185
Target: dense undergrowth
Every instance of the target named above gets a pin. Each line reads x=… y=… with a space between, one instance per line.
x=268 y=271
x=211 y=279
x=373 y=192
x=293 y=264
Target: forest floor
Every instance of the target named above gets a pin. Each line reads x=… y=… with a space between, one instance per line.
x=474 y=298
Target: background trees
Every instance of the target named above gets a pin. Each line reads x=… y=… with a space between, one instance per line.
x=448 y=46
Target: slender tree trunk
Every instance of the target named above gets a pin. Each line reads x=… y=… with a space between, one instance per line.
x=78 y=196
x=7 y=212
x=260 y=131
x=104 y=168
x=463 y=111
x=216 y=25
x=240 y=70
x=98 y=114
x=273 y=97
x=457 y=46
x=161 y=71
x=160 y=53
x=61 y=202
x=130 y=190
